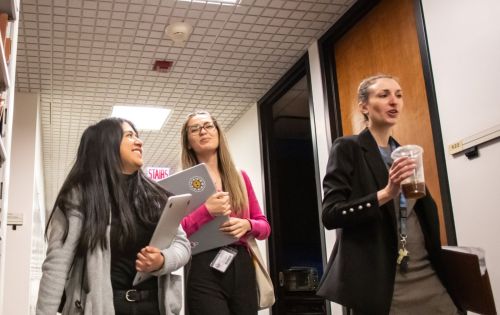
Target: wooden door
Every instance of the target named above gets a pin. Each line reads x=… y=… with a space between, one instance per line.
x=386 y=41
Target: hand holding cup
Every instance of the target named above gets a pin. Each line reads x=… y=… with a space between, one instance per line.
x=413 y=186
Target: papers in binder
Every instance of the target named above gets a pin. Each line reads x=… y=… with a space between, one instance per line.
x=466 y=278
x=479 y=252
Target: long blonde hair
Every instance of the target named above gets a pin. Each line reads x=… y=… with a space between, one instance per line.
x=231 y=179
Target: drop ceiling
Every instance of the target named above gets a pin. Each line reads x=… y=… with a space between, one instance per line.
x=83 y=57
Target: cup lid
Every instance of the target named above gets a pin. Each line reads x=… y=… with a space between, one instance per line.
x=410 y=150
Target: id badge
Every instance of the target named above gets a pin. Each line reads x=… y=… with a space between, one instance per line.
x=223 y=259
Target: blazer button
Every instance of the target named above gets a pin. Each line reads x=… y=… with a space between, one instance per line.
x=360 y=207
x=351 y=210
x=368 y=205
x=344 y=212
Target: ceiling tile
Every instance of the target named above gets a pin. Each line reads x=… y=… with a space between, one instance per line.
x=85 y=56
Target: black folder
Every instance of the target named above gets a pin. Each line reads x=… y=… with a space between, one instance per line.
x=470 y=289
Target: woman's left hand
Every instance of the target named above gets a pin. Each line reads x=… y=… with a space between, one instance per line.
x=149 y=259
x=236 y=227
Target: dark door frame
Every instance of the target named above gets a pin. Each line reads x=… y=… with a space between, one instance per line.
x=265 y=117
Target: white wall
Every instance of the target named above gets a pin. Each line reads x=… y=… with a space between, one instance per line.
x=464 y=43
x=322 y=138
x=38 y=245
x=16 y=299
x=244 y=143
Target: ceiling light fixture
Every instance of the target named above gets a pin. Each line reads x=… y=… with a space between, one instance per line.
x=223 y=2
x=179 y=32
x=143 y=118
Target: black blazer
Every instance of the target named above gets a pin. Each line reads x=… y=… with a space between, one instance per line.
x=361 y=270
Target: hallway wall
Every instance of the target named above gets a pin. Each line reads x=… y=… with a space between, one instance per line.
x=25 y=244
x=244 y=145
x=464 y=45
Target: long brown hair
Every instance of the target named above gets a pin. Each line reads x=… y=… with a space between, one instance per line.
x=231 y=179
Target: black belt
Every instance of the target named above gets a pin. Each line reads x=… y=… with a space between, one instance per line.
x=134 y=295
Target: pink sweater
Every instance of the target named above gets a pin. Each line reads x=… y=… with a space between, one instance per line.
x=260 y=227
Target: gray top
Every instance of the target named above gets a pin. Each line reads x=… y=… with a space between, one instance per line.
x=419 y=291
x=97 y=296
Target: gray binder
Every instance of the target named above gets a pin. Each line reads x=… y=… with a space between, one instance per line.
x=209 y=237
x=197 y=181
x=166 y=229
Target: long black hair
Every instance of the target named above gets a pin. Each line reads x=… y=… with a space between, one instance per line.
x=96 y=187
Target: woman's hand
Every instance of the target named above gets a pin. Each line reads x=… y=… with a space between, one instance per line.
x=149 y=259
x=236 y=227
x=219 y=204
x=400 y=170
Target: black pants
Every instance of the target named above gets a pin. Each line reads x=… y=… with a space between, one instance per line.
x=148 y=306
x=211 y=292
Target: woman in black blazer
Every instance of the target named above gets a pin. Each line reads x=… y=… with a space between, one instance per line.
x=362 y=202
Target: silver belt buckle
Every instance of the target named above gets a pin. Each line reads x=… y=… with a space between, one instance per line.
x=127 y=295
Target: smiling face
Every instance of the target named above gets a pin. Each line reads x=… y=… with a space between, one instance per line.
x=130 y=150
x=202 y=134
x=384 y=103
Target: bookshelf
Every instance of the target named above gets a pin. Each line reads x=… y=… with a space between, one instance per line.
x=10 y=7
x=8 y=46
x=4 y=69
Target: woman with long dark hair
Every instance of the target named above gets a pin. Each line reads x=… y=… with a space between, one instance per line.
x=99 y=229
x=211 y=291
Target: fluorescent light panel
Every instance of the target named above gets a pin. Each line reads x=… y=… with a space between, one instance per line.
x=223 y=2
x=144 y=118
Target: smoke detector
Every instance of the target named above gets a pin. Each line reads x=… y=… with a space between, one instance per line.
x=179 y=32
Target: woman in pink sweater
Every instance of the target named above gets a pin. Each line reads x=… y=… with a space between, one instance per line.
x=215 y=285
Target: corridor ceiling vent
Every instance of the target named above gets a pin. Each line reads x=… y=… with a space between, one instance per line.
x=143 y=117
x=179 y=32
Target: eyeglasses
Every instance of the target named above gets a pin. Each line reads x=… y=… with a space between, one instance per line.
x=196 y=129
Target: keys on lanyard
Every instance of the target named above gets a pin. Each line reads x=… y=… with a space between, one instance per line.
x=403 y=256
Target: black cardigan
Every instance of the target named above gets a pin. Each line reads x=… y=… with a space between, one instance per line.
x=361 y=270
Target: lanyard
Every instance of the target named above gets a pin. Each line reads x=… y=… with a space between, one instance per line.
x=403 y=256
x=386 y=156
